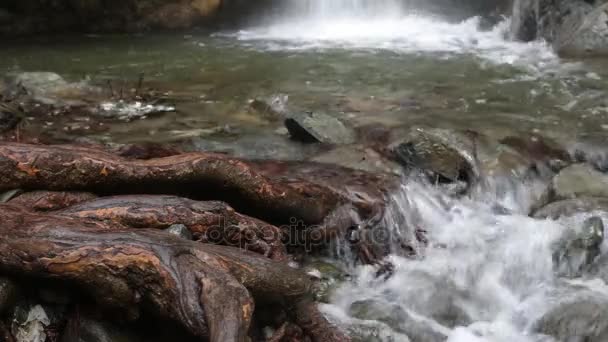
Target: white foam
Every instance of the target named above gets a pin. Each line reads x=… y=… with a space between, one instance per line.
x=394 y=29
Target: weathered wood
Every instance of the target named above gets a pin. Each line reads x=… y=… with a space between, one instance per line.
x=206 y=288
x=211 y=221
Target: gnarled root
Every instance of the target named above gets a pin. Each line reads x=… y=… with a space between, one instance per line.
x=208 y=289
x=212 y=222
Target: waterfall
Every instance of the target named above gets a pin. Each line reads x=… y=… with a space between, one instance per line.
x=333 y=9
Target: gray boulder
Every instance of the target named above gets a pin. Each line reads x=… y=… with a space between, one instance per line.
x=580 y=180
x=319 y=127
x=573 y=27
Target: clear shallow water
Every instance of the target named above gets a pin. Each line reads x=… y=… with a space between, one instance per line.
x=390 y=66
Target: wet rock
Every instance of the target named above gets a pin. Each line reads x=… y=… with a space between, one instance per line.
x=90 y=330
x=573 y=27
x=318 y=127
x=8 y=119
x=397 y=319
x=30 y=323
x=447 y=156
x=329 y=277
x=576 y=251
x=180 y=230
x=578 y=316
x=374 y=332
x=272 y=108
x=8 y=294
x=580 y=180
x=539 y=149
x=358 y=157
x=572 y=206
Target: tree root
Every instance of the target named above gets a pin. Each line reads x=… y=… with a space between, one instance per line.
x=207 y=289
x=211 y=222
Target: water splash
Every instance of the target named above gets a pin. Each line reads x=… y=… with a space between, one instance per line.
x=485 y=276
x=389 y=25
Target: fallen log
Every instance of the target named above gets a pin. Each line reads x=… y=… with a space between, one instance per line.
x=207 y=289
x=50 y=200
x=210 y=222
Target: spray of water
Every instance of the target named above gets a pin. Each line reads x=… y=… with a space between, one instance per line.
x=388 y=25
x=485 y=275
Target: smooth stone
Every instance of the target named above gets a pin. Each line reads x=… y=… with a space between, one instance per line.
x=180 y=230
x=319 y=127
x=580 y=180
x=329 y=277
x=571 y=206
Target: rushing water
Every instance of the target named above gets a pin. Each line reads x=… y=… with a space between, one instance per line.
x=485 y=276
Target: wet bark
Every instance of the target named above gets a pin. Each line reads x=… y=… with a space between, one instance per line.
x=210 y=222
x=207 y=289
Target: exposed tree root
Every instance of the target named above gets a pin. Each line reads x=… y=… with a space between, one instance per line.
x=213 y=222
x=208 y=289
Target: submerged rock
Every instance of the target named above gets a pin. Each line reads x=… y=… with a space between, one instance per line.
x=272 y=108
x=397 y=319
x=578 y=316
x=573 y=27
x=575 y=251
x=572 y=206
x=180 y=230
x=580 y=180
x=358 y=157
x=329 y=277
x=49 y=88
x=319 y=127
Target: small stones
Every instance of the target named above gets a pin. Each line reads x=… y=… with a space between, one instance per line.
x=180 y=230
